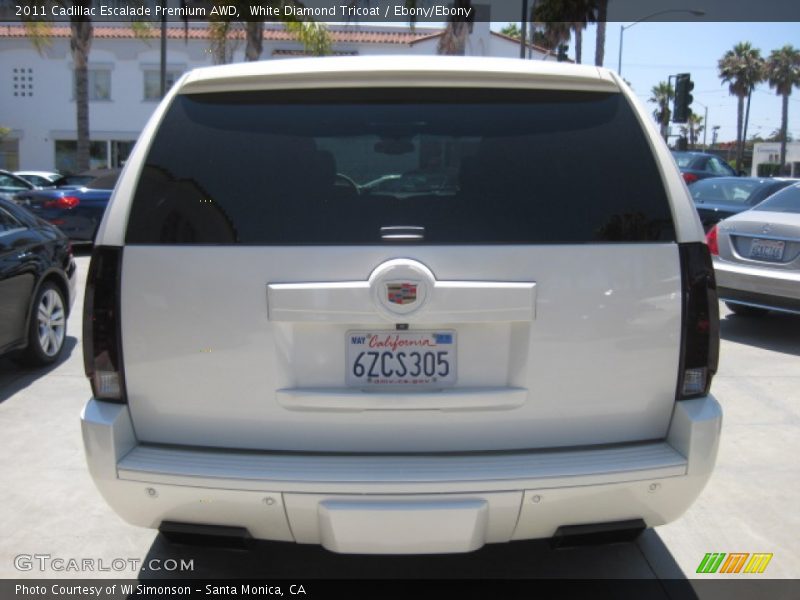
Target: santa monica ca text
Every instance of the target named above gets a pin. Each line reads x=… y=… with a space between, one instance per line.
x=141 y=589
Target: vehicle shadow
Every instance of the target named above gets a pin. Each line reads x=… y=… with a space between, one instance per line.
x=644 y=559
x=775 y=331
x=15 y=377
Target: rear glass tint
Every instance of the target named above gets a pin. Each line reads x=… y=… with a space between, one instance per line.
x=337 y=166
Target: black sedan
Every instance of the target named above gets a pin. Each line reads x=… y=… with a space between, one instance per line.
x=37 y=286
x=695 y=166
x=76 y=211
x=723 y=197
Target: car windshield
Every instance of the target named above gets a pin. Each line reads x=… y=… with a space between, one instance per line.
x=787 y=200
x=730 y=191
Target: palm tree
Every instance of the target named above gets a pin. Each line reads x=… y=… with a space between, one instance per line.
x=81 y=32
x=742 y=68
x=565 y=16
x=600 y=45
x=662 y=95
x=454 y=37
x=314 y=37
x=783 y=73
x=693 y=128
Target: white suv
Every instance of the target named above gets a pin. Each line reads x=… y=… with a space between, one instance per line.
x=510 y=335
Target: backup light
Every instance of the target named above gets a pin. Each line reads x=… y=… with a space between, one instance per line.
x=106 y=384
x=694 y=381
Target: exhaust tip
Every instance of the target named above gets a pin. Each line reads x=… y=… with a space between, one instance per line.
x=568 y=536
x=197 y=534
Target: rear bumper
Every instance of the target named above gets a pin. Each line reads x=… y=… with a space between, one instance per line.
x=402 y=503
x=762 y=287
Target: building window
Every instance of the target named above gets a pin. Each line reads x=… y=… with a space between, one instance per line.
x=99 y=84
x=9 y=154
x=103 y=154
x=152 y=82
x=22 y=81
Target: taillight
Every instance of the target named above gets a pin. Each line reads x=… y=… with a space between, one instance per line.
x=65 y=202
x=700 y=324
x=102 y=339
x=711 y=240
x=689 y=178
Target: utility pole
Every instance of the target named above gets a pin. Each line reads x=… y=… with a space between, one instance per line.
x=163 y=73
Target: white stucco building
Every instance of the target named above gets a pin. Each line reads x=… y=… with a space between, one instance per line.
x=770 y=153
x=37 y=99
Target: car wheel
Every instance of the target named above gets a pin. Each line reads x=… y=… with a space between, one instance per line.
x=746 y=311
x=48 y=326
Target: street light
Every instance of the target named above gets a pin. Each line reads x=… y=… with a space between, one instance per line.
x=622 y=28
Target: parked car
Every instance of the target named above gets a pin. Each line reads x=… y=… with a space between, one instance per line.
x=11 y=185
x=273 y=354
x=757 y=256
x=699 y=165
x=722 y=197
x=40 y=178
x=76 y=211
x=37 y=286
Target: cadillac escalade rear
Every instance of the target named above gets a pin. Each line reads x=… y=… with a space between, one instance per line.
x=400 y=305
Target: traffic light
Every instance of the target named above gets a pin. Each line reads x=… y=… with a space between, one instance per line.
x=683 y=98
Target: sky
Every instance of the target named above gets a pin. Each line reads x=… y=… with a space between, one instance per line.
x=652 y=51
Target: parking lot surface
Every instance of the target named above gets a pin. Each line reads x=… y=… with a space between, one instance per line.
x=49 y=505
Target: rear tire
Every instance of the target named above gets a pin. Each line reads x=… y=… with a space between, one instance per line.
x=746 y=311
x=47 y=330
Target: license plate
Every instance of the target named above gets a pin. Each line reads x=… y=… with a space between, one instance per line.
x=767 y=249
x=408 y=359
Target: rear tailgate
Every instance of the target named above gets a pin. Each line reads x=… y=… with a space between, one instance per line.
x=596 y=361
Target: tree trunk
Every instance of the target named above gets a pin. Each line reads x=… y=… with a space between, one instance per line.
x=739 y=121
x=255 y=40
x=600 y=47
x=784 y=127
x=746 y=122
x=578 y=44
x=454 y=38
x=80 y=44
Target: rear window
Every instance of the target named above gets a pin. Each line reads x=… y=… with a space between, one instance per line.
x=787 y=200
x=337 y=166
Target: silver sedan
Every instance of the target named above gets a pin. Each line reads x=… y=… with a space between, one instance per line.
x=757 y=256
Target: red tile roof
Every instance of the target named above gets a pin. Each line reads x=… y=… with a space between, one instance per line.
x=536 y=47
x=341 y=34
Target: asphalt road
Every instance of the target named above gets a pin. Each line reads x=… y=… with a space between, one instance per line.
x=48 y=503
